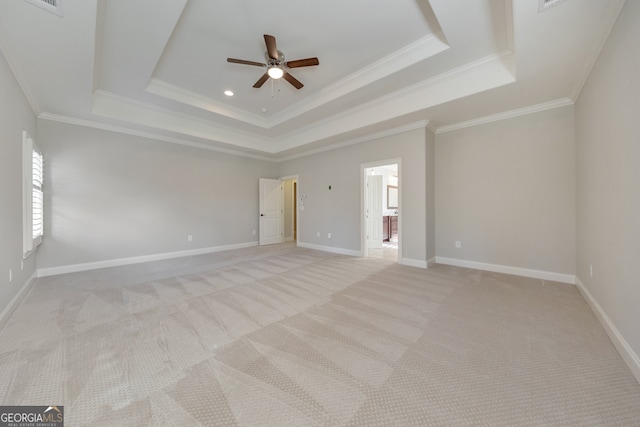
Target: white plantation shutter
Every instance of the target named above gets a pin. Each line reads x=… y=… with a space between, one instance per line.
x=37 y=198
x=33 y=200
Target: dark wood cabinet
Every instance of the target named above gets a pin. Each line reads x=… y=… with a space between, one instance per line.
x=394 y=228
x=385 y=228
x=389 y=227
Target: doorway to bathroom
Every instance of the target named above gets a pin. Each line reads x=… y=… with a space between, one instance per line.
x=381 y=231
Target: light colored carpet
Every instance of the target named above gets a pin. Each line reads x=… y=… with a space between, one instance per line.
x=282 y=336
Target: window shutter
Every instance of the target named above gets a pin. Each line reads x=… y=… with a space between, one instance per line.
x=33 y=200
x=37 y=196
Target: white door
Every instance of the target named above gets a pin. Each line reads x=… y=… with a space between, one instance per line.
x=374 y=211
x=271 y=211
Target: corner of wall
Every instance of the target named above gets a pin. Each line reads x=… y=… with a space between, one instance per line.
x=16 y=300
x=626 y=352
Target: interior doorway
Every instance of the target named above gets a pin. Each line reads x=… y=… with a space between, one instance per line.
x=290 y=185
x=381 y=231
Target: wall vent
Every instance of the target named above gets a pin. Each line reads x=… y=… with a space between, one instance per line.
x=547 y=4
x=53 y=6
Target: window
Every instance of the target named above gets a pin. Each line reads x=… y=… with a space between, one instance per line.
x=33 y=200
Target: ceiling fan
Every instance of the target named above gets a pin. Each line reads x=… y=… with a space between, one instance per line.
x=276 y=64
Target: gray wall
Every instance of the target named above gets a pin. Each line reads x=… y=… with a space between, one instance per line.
x=337 y=211
x=608 y=178
x=117 y=196
x=15 y=116
x=506 y=190
x=288 y=209
x=430 y=176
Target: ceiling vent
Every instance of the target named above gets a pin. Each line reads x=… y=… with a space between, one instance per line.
x=53 y=6
x=548 y=4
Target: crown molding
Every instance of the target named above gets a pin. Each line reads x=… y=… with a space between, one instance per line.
x=411 y=54
x=562 y=102
x=421 y=124
x=417 y=51
x=483 y=74
x=117 y=107
x=487 y=73
x=164 y=138
x=149 y=135
x=179 y=94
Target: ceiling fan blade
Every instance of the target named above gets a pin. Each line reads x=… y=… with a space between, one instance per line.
x=272 y=50
x=242 y=61
x=295 y=82
x=261 y=81
x=302 y=63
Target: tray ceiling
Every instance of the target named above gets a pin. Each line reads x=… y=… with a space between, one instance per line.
x=158 y=68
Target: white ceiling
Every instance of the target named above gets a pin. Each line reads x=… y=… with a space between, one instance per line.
x=158 y=67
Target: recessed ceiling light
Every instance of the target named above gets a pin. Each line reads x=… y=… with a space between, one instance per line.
x=228 y=93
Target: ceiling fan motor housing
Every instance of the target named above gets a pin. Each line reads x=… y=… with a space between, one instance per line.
x=274 y=62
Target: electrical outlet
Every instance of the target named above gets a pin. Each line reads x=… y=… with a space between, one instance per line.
x=189 y=238
x=329 y=236
x=590 y=270
x=254 y=232
x=10 y=275
x=317 y=234
x=458 y=244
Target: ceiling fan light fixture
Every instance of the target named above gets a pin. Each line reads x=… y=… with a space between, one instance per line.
x=275 y=64
x=275 y=72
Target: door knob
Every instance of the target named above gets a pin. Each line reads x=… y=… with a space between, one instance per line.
x=261 y=214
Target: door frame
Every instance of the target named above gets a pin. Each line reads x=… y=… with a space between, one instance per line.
x=295 y=205
x=364 y=249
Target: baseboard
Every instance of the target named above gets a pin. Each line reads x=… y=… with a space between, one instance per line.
x=16 y=300
x=626 y=352
x=413 y=262
x=431 y=262
x=331 y=249
x=74 y=268
x=517 y=271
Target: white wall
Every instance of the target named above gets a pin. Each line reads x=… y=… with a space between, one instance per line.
x=506 y=190
x=608 y=185
x=15 y=116
x=337 y=211
x=114 y=196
